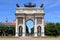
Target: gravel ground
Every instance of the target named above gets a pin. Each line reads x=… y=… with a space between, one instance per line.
x=30 y=38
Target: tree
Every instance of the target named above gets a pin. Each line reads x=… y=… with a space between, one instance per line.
x=11 y=30
x=52 y=29
x=58 y=28
x=5 y=30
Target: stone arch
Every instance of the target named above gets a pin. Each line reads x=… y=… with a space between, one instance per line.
x=34 y=14
x=29 y=19
x=38 y=30
x=20 y=30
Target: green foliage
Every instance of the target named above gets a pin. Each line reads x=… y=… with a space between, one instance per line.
x=52 y=29
x=6 y=30
x=11 y=30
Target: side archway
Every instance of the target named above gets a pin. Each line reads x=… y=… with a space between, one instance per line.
x=20 y=30
x=39 y=31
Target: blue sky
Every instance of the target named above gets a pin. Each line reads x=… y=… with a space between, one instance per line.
x=51 y=9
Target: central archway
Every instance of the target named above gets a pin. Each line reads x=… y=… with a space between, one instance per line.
x=29 y=26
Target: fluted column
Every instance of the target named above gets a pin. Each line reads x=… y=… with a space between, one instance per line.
x=35 y=28
x=16 y=34
x=42 y=28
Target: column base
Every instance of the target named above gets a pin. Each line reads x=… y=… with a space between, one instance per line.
x=42 y=34
x=23 y=34
x=16 y=35
x=35 y=34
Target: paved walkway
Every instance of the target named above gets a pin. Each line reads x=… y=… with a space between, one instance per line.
x=30 y=38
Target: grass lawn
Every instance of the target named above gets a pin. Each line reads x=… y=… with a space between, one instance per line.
x=31 y=36
x=46 y=37
x=7 y=37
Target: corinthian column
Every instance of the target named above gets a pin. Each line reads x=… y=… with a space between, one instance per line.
x=24 y=28
x=35 y=28
x=42 y=28
x=16 y=34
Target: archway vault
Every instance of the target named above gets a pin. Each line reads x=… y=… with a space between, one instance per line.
x=30 y=19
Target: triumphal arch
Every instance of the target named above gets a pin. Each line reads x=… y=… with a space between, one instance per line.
x=29 y=12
